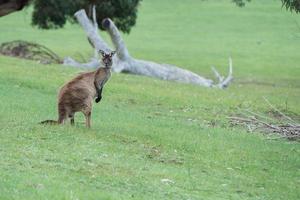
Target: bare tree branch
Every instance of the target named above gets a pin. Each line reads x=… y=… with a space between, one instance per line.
x=281 y=113
x=96 y=54
x=123 y=62
x=116 y=38
x=90 y=31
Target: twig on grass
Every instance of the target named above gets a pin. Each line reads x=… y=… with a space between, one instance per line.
x=277 y=110
x=289 y=131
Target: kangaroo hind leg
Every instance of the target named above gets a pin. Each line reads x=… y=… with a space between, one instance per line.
x=87 y=113
x=62 y=114
x=72 y=121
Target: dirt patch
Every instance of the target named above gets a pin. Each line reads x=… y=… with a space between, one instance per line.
x=156 y=153
x=30 y=51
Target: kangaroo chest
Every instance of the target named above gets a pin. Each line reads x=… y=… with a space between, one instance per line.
x=102 y=77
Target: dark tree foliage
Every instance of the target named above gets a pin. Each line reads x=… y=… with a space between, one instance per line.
x=292 y=5
x=54 y=13
x=9 y=6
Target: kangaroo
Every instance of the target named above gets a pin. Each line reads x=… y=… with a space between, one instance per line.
x=77 y=95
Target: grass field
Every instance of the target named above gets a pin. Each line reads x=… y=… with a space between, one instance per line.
x=146 y=130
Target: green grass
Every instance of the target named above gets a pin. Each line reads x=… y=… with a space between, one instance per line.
x=145 y=130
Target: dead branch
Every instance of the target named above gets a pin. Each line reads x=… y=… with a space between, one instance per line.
x=223 y=83
x=260 y=115
x=123 y=62
x=289 y=131
x=96 y=55
x=274 y=108
x=216 y=73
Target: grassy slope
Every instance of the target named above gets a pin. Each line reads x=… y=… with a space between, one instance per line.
x=145 y=130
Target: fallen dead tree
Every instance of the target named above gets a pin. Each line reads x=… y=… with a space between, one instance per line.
x=286 y=127
x=124 y=62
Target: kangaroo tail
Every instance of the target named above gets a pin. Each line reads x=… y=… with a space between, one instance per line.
x=51 y=122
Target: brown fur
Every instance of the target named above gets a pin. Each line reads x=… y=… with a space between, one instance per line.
x=77 y=96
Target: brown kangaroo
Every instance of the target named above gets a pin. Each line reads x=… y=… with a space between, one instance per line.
x=77 y=95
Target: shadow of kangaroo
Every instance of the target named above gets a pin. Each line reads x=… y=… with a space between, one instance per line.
x=77 y=95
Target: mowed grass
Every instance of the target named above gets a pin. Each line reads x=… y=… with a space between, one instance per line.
x=146 y=130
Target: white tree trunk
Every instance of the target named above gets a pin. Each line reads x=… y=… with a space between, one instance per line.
x=123 y=62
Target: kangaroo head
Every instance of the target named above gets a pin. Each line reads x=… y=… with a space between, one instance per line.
x=107 y=58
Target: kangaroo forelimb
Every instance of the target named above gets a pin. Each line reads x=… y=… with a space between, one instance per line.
x=99 y=95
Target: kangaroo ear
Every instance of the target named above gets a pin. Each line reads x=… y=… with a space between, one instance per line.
x=113 y=53
x=102 y=52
